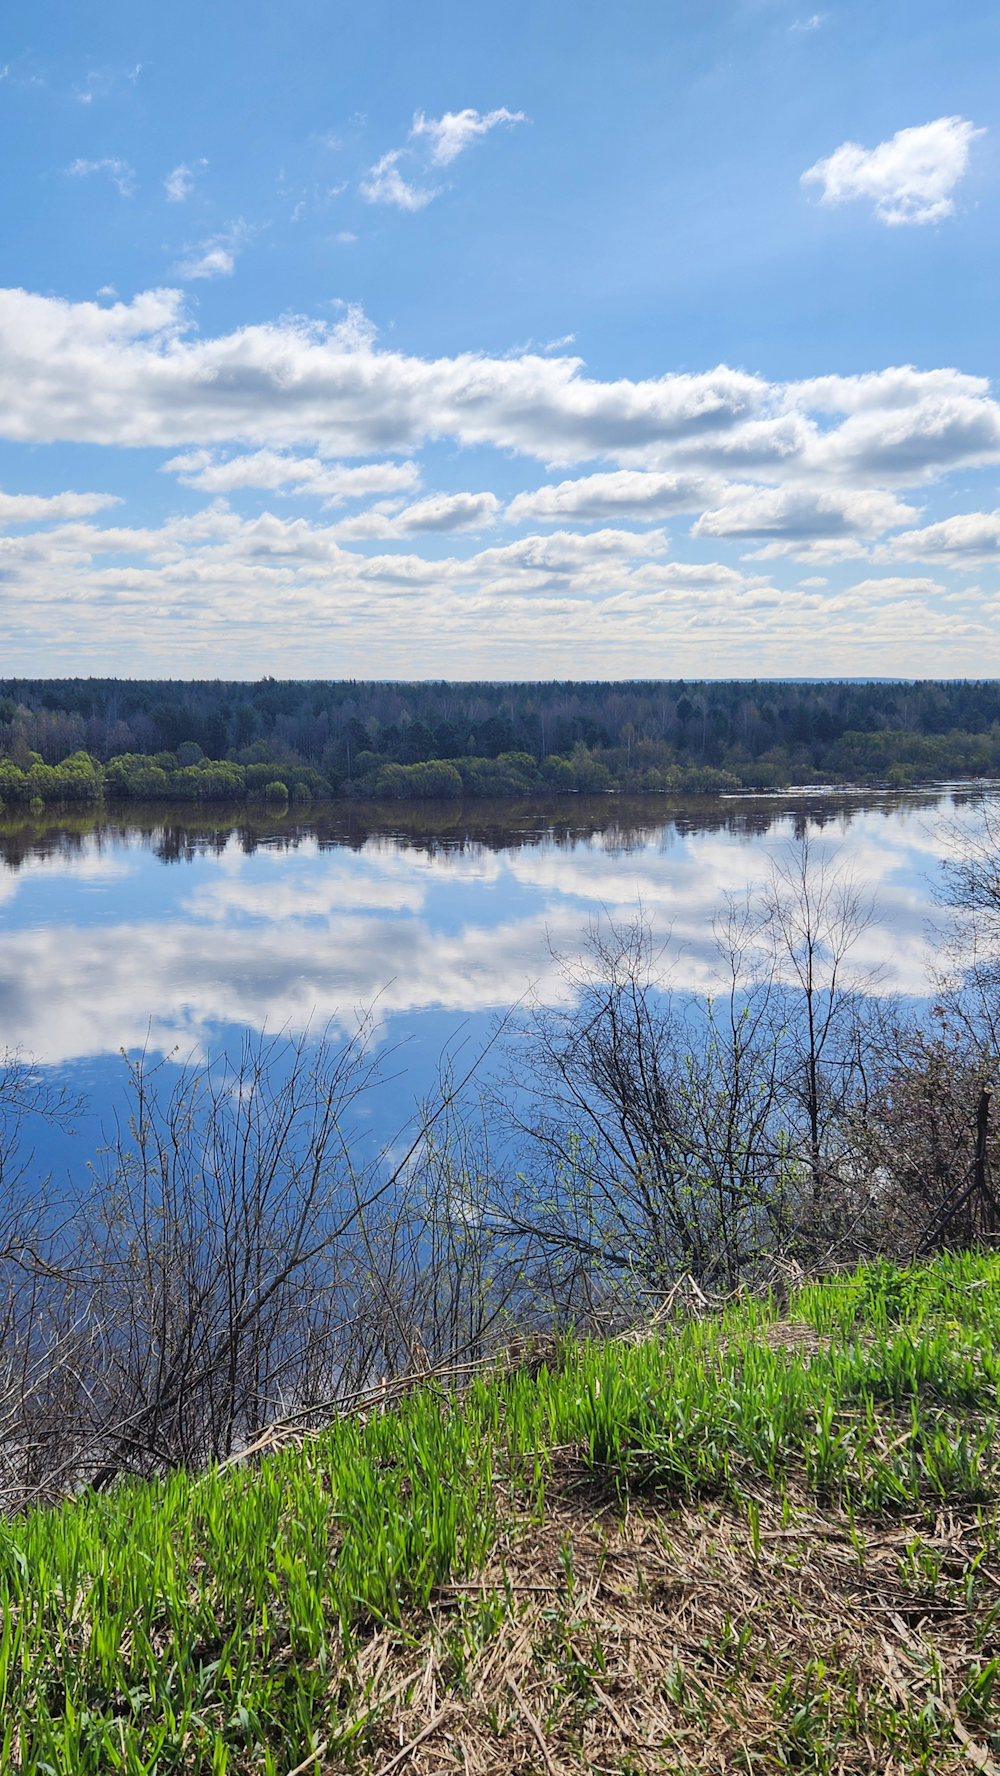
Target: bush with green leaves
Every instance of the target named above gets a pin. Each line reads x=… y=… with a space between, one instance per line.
x=77 y=779
x=437 y=780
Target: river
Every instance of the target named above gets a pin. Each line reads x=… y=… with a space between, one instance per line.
x=180 y=932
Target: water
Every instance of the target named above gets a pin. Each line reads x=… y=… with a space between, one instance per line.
x=180 y=933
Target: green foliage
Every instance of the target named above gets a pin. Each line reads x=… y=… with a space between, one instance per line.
x=763 y=735
x=140 y=777
x=257 y=777
x=77 y=779
x=902 y=757
x=434 y=781
x=581 y=771
x=193 y=1624
x=510 y=774
x=642 y=738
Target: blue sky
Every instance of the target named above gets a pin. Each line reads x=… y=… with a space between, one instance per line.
x=439 y=340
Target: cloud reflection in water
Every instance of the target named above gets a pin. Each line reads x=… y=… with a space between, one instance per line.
x=123 y=950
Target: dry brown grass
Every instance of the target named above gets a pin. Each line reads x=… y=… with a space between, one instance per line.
x=637 y=1640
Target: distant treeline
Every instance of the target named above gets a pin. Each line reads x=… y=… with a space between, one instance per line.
x=223 y=740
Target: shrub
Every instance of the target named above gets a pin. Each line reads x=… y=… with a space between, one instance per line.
x=512 y=773
x=437 y=780
x=703 y=779
x=13 y=783
x=77 y=779
x=582 y=772
x=219 y=782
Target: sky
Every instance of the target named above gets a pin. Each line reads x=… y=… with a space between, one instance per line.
x=526 y=341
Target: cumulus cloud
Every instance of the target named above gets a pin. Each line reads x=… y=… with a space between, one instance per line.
x=627 y=493
x=451 y=511
x=385 y=184
x=969 y=536
x=269 y=470
x=130 y=374
x=892 y=587
x=448 y=135
x=812 y=462
x=440 y=512
x=434 y=142
x=800 y=512
x=909 y=179
x=118 y=171
x=179 y=184
x=33 y=508
x=215 y=592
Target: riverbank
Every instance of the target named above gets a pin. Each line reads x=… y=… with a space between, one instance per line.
x=751 y=1540
x=182 y=777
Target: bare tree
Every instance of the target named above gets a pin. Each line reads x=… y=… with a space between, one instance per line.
x=33 y=1353
x=438 y=1278
x=207 y=1251
x=665 y=1132
x=651 y=1142
x=968 y=979
x=817 y=913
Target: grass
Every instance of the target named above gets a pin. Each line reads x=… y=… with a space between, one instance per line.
x=743 y=1543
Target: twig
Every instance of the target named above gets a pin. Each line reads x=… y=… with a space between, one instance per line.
x=976 y=1754
x=431 y=1727
x=536 y=1731
x=629 y=1732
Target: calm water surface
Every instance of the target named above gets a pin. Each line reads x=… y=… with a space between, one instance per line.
x=182 y=932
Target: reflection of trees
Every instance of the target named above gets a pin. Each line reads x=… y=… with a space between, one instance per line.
x=624 y=823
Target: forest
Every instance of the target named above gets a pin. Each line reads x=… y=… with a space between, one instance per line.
x=75 y=739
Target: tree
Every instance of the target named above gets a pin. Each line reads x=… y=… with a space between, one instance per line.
x=816 y=914
x=207 y=1252
x=648 y=1119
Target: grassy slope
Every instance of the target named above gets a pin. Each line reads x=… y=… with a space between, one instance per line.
x=746 y=1544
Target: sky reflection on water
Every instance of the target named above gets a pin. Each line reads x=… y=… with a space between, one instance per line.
x=159 y=931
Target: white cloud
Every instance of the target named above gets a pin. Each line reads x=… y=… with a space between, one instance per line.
x=909 y=179
x=119 y=172
x=216 y=593
x=213 y=262
x=266 y=469
x=217 y=256
x=385 y=185
x=818 y=459
x=450 y=511
x=440 y=513
x=127 y=374
x=970 y=536
x=890 y=587
x=448 y=135
x=33 y=508
x=179 y=184
x=627 y=493
x=801 y=512
x=445 y=138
